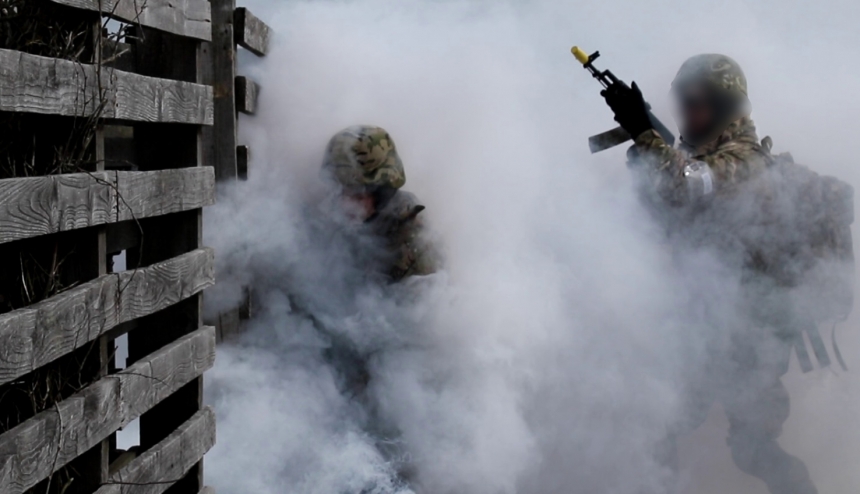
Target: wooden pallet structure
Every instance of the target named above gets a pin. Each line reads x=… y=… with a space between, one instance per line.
x=164 y=100
x=233 y=28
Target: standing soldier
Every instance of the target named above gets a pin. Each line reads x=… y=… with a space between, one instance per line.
x=699 y=188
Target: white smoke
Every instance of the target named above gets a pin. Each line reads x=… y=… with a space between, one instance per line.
x=547 y=356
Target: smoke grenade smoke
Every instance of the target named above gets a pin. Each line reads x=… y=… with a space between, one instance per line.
x=552 y=352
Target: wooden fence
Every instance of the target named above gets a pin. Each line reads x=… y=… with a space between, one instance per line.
x=112 y=147
x=232 y=27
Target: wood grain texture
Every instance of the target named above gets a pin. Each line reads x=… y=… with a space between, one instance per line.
x=246 y=95
x=251 y=33
x=34 y=449
x=149 y=290
x=34 y=84
x=156 y=193
x=39 y=334
x=35 y=206
x=191 y=18
x=30 y=207
x=170 y=459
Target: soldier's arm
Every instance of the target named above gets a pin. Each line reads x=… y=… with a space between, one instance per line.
x=426 y=258
x=419 y=255
x=731 y=164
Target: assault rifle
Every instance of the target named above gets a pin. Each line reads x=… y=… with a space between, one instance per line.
x=617 y=135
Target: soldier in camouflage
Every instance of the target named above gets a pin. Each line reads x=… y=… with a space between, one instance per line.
x=718 y=157
x=364 y=163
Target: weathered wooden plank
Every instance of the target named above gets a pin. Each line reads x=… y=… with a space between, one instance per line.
x=163 y=284
x=51 y=439
x=39 y=334
x=246 y=95
x=219 y=69
x=170 y=459
x=34 y=84
x=191 y=18
x=35 y=206
x=251 y=33
x=160 y=192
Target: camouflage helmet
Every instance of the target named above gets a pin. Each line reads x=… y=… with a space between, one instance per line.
x=722 y=79
x=364 y=156
x=718 y=70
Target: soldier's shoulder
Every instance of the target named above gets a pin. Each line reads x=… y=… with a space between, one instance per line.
x=403 y=199
x=743 y=145
x=403 y=206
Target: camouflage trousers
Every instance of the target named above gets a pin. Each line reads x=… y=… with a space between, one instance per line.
x=746 y=381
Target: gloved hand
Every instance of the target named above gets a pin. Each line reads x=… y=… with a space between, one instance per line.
x=631 y=111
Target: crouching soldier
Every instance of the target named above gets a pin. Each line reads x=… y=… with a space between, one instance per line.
x=365 y=167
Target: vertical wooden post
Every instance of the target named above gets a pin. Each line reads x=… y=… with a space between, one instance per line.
x=95 y=463
x=220 y=71
x=161 y=146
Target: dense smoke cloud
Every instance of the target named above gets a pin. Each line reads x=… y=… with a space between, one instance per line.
x=549 y=355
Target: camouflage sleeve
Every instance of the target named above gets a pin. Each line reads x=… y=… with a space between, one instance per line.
x=731 y=163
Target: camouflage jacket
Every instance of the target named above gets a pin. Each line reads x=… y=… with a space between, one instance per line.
x=778 y=221
x=735 y=157
x=728 y=223
x=409 y=251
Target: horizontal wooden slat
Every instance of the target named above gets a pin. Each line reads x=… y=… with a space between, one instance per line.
x=31 y=451
x=39 y=334
x=192 y=18
x=169 y=460
x=251 y=33
x=149 y=290
x=145 y=194
x=35 y=206
x=246 y=95
x=34 y=84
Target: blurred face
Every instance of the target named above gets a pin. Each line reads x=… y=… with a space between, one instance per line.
x=694 y=112
x=358 y=205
